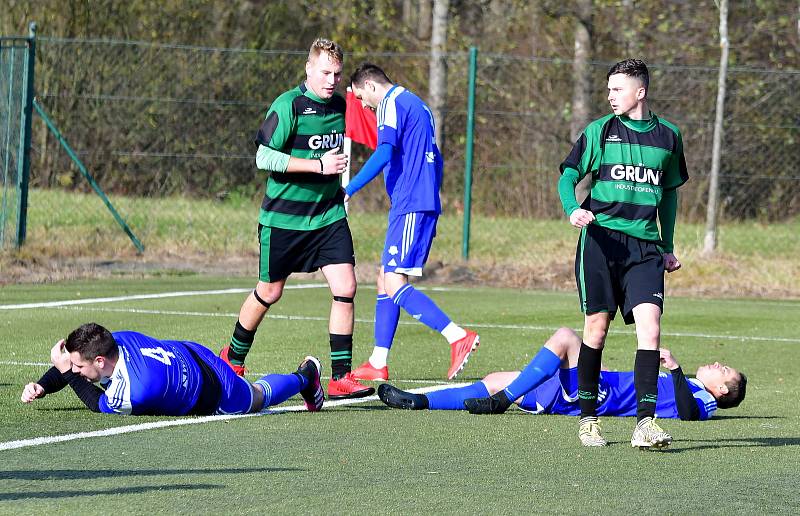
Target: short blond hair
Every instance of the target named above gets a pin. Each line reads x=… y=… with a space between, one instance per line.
x=329 y=47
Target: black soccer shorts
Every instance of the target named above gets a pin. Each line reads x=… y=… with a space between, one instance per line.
x=284 y=251
x=614 y=271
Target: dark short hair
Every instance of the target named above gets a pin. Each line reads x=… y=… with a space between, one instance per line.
x=632 y=68
x=92 y=340
x=736 y=392
x=368 y=71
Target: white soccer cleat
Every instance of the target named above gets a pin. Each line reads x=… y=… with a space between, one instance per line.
x=648 y=434
x=589 y=432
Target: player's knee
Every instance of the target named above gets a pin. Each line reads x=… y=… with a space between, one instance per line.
x=564 y=339
x=494 y=383
x=268 y=293
x=346 y=290
x=649 y=338
x=392 y=282
x=595 y=333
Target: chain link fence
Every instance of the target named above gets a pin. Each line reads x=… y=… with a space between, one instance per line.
x=13 y=65
x=154 y=121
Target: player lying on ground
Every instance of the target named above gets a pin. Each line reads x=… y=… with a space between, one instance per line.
x=548 y=385
x=145 y=376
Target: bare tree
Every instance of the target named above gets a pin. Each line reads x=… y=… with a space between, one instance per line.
x=408 y=12
x=582 y=85
x=424 y=19
x=710 y=241
x=437 y=88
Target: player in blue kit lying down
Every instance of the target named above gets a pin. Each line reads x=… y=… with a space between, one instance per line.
x=145 y=376
x=548 y=385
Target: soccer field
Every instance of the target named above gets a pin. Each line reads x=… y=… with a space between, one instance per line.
x=359 y=456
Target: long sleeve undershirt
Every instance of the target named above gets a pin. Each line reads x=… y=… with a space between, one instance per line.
x=684 y=399
x=268 y=158
x=566 y=190
x=667 y=211
x=371 y=168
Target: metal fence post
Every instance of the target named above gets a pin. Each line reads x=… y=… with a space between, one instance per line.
x=473 y=65
x=24 y=156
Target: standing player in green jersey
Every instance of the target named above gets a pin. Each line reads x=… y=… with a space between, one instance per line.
x=636 y=163
x=302 y=226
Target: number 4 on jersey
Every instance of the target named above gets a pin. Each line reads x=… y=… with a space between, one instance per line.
x=159 y=354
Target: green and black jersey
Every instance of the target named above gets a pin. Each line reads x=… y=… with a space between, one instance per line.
x=632 y=164
x=302 y=125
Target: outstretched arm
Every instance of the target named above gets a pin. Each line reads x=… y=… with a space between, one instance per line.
x=371 y=168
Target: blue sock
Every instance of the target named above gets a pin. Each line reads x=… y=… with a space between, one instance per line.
x=453 y=399
x=280 y=387
x=543 y=366
x=387 y=314
x=421 y=307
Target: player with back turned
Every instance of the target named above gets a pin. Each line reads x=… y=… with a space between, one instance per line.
x=412 y=165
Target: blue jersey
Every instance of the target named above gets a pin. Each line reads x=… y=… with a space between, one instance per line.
x=616 y=395
x=156 y=377
x=413 y=175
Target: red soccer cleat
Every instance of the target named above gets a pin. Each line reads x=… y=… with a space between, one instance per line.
x=367 y=372
x=460 y=351
x=240 y=370
x=347 y=387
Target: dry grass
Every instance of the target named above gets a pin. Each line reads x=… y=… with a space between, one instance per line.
x=72 y=236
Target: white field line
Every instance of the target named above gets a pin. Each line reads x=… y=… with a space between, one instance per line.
x=524 y=327
x=39 y=441
x=163 y=295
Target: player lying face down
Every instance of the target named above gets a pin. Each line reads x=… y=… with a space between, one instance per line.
x=140 y=375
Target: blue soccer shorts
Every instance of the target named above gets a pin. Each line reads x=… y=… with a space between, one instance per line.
x=237 y=393
x=409 y=238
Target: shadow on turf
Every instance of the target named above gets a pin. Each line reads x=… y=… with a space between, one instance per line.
x=716 y=417
x=80 y=474
x=110 y=492
x=744 y=442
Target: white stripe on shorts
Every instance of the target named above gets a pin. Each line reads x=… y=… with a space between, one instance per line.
x=408 y=234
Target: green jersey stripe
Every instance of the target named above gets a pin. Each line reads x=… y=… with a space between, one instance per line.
x=304 y=126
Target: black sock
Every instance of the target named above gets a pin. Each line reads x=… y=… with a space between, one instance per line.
x=241 y=341
x=341 y=355
x=588 y=378
x=645 y=379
